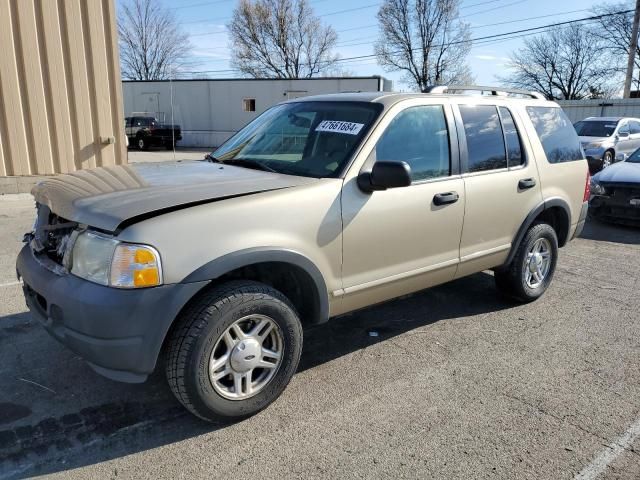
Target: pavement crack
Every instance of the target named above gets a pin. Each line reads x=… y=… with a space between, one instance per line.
x=563 y=419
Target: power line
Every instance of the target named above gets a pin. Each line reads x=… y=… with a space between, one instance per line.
x=502 y=36
x=520 y=20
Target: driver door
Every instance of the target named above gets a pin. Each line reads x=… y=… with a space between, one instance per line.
x=401 y=240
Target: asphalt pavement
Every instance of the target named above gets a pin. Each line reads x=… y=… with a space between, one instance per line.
x=451 y=382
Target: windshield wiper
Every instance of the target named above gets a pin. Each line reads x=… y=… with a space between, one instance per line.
x=248 y=163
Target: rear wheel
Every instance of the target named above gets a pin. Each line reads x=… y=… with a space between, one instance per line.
x=234 y=351
x=532 y=268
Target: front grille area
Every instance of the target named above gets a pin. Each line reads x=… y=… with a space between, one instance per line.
x=51 y=234
x=617 y=204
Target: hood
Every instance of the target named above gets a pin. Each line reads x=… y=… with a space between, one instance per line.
x=108 y=196
x=584 y=140
x=623 y=172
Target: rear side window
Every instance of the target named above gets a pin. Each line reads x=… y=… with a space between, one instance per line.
x=558 y=137
x=418 y=136
x=485 y=141
x=512 y=139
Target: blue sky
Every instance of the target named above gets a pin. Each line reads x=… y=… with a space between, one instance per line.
x=357 y=30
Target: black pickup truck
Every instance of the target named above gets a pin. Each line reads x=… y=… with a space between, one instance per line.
x=144 y=132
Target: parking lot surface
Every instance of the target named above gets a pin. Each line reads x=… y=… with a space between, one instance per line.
x=452 y=382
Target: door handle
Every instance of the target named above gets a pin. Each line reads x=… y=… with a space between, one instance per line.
x=526 y=183
x=445 y=198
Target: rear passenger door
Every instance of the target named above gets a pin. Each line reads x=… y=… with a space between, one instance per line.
x=501 y=183
x=634 y=130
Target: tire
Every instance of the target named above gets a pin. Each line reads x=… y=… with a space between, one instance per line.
x=608 y=159
x=142 y=143
x=512 y=280
x=202 y=335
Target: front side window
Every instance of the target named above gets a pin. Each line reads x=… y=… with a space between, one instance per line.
x=624 y=128
x=634 y=126
x=485 y=141
x=418 y=136
x=512 y=139
x=313 y=139
x=558 y=137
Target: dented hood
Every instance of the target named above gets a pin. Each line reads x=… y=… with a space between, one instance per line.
x=108 y=196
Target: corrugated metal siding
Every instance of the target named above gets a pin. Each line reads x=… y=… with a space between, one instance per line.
x=60 y=88
x=578 y=110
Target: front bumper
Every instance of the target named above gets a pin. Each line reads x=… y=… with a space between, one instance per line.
x=118 y=332
x=615 y=210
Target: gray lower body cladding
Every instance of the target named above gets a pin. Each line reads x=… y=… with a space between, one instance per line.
x=118 y=332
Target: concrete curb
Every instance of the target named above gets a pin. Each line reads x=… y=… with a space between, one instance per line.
x=19 y=184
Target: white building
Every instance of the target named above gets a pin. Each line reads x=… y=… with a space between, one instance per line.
x=210 y=111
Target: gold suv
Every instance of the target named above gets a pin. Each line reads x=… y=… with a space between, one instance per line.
x=320 y=206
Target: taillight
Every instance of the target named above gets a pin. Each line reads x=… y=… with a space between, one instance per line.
x=587 y=188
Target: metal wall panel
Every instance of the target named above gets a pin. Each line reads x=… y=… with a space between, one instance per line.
x=210 y=111
x=578 y=110
x=60 y=88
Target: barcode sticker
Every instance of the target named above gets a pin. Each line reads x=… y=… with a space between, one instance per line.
x=338 y=126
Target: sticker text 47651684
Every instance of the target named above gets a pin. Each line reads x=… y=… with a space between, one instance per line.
x=338 y=126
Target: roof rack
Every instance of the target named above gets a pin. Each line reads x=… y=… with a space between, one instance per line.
x=498 y=91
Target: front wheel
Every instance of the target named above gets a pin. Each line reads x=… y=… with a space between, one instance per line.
x=234 y=350
x=532 y=268
x=607 y=159
x=142 y=143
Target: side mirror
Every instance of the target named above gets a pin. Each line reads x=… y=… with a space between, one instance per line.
x=621 y=157
x=623 y=134
x=385 y=175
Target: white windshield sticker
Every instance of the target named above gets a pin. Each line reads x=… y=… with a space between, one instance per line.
x=610 y=126
x=339 y=127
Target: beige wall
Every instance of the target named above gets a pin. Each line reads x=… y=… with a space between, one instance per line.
x=60 y=88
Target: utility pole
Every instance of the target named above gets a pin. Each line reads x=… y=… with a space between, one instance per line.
x=633 y=46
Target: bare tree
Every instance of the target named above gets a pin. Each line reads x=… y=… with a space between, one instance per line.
x=152 y=46
x=564 y=63
x=280 y=39
x=426 y=40
x=614 y=31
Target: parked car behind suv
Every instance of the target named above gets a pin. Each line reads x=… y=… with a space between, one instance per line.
x=615 y=192
x=606 y=138
x=145 y=132
x=320 y=206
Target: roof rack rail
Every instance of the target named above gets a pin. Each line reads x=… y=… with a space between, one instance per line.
x=498 y=91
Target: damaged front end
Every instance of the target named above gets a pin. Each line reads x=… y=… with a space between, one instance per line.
x=52 y=239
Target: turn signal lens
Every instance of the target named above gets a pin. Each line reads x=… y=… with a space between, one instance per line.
x=135 y=266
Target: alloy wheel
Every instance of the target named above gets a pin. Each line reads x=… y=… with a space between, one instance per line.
x=246 y=357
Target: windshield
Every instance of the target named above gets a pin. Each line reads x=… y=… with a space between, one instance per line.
x=634 y=157
x=596 y=128
x=313 y=139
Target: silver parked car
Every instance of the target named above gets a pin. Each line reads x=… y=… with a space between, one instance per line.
x=605 y=138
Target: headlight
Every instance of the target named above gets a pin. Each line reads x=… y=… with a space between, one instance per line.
x=107 y=261
x=593 y=145
x=596 y=188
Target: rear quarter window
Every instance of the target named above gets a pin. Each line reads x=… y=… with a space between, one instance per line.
x=558 y=137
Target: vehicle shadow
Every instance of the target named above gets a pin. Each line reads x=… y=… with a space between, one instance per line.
x=141 y=417
x=610 y=232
